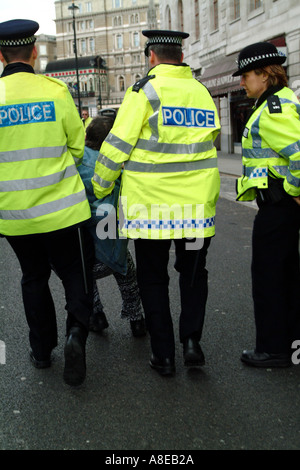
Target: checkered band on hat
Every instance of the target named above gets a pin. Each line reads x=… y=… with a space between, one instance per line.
x=164 y=37
x=17 y=42
x=260 y=54
x=244 y=62
x=165 y=40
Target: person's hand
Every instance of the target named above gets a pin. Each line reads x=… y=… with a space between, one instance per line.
x=297 y=199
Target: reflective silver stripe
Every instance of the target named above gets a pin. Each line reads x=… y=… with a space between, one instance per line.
x=291 y=149
x=171 y=167
x=260 y=153
x=293 y=166
x=35 y=183
x=32 y=154
x=118 y=143
x=108 y=163
x=177 y=149
x=281 y=169
x=293 y=180
x=44 y=209
x=103 y=183
x=154 y=101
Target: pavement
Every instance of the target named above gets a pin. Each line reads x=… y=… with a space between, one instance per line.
x=230 y=163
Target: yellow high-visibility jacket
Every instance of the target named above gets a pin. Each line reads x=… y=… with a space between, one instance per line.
x=86 y=123
x=271 y=146
x=164 y=132
x=41 y=145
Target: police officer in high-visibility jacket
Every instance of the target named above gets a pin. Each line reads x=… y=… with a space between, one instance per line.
x=42 y=198
x=164 y=132
x=271 y=160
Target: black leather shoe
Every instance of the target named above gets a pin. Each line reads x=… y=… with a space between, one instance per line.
x=164 y=366
x=75 y=366
x=192 y=353
x=256 y=359
x=98 y=322
x=40 y=364
x=138 y=327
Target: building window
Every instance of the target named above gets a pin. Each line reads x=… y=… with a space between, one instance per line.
x=236 y=9
x=83 y=46
x=88 y=7
x=119 y=41
x=197 y=23
x=117 y=3
x=134 y=19
x=92 y=44
x=168 y=17
x=121 y=83
x=136 y=40
x=117 y=21
x=254 y=4
x=136 y=58
x=215 y=15
x=80 y=7
x=90 y=24
x=180 y=16
x=119 y=60
x=43 y=49
x=43 y=64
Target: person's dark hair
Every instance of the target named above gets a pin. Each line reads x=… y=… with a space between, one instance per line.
x=276 y=75
x=12 y=54
x=97 y=131
x=167 y=52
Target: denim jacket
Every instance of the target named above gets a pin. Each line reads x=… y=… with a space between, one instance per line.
x=112 y=252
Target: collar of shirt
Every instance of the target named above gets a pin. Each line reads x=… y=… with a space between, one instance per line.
x=270 y=91
x=16 y=67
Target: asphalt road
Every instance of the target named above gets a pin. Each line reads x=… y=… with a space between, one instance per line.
x=124 y=404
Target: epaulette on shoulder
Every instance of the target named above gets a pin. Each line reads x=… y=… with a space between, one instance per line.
x=274 y=104
x=142 y=82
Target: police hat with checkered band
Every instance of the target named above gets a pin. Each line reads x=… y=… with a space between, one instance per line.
x=258 y=55
x=158 y=36
x=18 y=33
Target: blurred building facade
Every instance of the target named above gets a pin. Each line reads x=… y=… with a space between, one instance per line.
x=46 y=47
x=219 y=29
x=110 y=47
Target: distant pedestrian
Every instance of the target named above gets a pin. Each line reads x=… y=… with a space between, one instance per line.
x=86 y=119
x=42 y=198
x=271 y=160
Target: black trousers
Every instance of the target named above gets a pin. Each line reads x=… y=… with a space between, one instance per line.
x=37 y=255
x=152 y=257
x=276 y=276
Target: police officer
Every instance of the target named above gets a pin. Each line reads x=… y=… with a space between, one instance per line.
x=164 y=132
x=42 y=197
x=271 y=160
